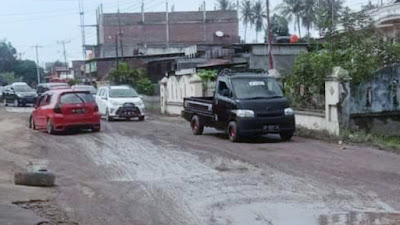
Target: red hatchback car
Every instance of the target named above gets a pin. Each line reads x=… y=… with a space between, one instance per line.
x=59 y=110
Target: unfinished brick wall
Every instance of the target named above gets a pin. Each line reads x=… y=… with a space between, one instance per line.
x=184 y=27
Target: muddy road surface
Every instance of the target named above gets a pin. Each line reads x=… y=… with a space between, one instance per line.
x=156 y=172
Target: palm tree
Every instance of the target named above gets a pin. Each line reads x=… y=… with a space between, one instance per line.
x=309 y=12
x=225 y=4
x=292 y=9
x=258 y=17
x=247 y=15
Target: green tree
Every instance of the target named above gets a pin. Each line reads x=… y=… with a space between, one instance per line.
x=7 y=78
x=7 y=56
x=26 y=69
x=279 y=25
x=292 y=11
x=358 y=48
x=225 y=5
x=206 y=77
x=258 y=17
x=138 y=78
x=247 y=16
x=368 y=6
x=328 y=15
x=124 y=74
x=308 y=15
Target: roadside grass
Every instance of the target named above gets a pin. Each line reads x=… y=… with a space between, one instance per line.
x=375 y=139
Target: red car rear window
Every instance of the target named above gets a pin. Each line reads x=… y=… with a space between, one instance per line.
x=76 y=98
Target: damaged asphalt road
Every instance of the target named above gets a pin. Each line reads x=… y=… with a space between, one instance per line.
x=157 y=172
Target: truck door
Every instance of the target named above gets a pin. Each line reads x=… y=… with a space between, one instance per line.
x=223 y=103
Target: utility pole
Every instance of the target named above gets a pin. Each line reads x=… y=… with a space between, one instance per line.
x=120 y=35
x=269 y=33
x=204 y=22
x=144 y=25
x=116 y=50
x=64 y=50
x=82 y=19
x=37 y=61
x=333 y=12
x=167 y=23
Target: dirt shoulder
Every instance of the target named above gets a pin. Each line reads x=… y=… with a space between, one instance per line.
x=18 y=147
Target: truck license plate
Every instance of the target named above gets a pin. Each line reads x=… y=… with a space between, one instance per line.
x=271 y=128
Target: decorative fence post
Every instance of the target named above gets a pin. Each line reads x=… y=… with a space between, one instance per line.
x=337 y=100
x=163 y=95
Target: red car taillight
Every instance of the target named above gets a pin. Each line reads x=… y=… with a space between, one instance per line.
x=96 y=108
x=57 y=109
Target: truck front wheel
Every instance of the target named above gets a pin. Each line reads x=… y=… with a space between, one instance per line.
x=286 y=136
x=233 y=132
x=197 y=127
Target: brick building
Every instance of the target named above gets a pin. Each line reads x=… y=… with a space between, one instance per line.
x=150 y=29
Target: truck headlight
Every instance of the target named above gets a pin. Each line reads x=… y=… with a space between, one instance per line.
x=289 y=112
x=244 y=113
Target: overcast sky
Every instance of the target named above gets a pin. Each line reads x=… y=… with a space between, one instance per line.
x=26 y=23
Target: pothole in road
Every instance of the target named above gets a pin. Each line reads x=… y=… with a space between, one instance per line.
x=46 y=210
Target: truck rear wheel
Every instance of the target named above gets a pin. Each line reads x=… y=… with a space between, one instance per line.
x=197 y=127
x=233 y=132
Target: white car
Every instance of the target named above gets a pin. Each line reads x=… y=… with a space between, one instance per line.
x=120 y=102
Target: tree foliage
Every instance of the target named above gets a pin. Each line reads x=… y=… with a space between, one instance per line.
x=8 y=78
x=138 y=78
x=225 y=5
x=7 y=56
x=358 y=48
x=27 y=70
x=206 y=77
x=22 y=70
x=279 y=25
x=292 y=11
x=247 y=15
x=258 y=17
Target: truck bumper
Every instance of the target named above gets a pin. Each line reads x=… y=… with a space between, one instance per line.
x=187 y=115
x=255 y=126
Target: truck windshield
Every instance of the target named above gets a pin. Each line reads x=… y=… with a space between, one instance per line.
x=123 y=93
x=256 y=88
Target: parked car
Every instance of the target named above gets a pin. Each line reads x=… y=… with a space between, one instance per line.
x=89 y=88
x=244 y=104
x=120 y=102
x=19 y=94
x=59 y=110
x=42 y=88
x=1 y=91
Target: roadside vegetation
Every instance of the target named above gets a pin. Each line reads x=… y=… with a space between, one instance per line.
x=354 y=46
x=375 y=139
x=137 y=78
x=14 y=69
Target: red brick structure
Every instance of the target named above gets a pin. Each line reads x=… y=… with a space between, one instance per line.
x=184 y=28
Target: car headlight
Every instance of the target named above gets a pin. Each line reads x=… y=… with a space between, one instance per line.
x=20 y=96
x=244 y=113
x=289 y=112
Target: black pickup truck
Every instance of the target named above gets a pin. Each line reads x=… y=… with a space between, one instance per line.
x=245 y=104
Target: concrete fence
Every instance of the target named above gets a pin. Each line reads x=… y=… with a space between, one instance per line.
x=370 y=106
